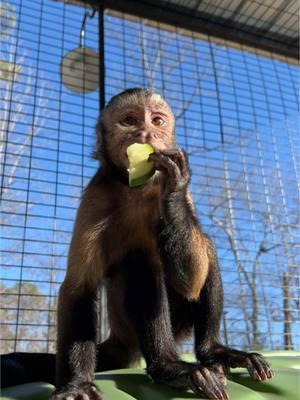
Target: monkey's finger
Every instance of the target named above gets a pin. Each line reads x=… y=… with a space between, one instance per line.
x=210 y=393
x=263 y=365
x=221 y=374
x=165 y=164
x=258 y=368
x=206 y=381
x=212 y=379
x=199 y=385
x=183 y=163
x=178 y=156
x=169 y=152
x=250 y=365
x=270 y=373
x=221 y=377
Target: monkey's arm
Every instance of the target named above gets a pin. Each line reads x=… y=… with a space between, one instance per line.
x=77 y=321
x=182 y=245
x=76 y=336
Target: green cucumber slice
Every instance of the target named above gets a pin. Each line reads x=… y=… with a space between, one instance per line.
x=140 y=169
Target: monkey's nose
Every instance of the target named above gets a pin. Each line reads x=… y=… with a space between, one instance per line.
x=141 y=135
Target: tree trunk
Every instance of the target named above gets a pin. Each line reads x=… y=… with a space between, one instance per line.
x=288 y=344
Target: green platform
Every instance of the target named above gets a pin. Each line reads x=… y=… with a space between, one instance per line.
x=132 y=384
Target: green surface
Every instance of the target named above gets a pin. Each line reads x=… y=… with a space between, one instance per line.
x=130 y=384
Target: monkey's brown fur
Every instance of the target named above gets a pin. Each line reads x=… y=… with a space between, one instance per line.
x=110 y=215
x=161 y=272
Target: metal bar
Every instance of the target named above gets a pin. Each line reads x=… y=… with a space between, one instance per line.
x=277 y=14
x=210 y=24
x=101 y=55
x=203 y=23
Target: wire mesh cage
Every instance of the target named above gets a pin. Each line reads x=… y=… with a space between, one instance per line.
x=237 y=117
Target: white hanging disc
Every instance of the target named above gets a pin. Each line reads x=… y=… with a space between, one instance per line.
x=79 y=70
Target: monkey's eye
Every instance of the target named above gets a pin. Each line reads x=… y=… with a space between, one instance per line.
x=129 y=121
x=158 y=121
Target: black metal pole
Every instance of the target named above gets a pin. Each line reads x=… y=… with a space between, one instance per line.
x=102 y=295
x=101 y=55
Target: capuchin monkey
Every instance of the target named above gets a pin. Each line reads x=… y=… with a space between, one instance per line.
x=145 y=245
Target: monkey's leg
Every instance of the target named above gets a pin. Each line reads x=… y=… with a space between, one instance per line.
x=76 y=346
x=146 y=304
x=207 y=318
x=112 y=354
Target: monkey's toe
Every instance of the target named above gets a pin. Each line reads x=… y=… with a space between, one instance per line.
x=258 y=367
x=83 y=391
x=202 y=380
x=210 y=382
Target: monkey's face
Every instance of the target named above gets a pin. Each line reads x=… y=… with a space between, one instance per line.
x=136 y=118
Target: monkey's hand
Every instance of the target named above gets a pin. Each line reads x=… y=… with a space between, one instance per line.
x=174 y=164
x=255 y=363
x=179 y=236
x=210 y=381
x=82 y=391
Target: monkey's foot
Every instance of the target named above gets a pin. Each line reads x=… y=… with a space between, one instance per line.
x=82 y=391
x=255 y=363
x=210 y=381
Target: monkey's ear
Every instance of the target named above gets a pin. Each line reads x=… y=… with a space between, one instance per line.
x=100 y=132
x=96 y=155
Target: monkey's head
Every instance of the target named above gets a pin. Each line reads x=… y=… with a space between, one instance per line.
x=133 y=116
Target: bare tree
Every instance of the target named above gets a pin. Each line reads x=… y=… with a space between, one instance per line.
x=26 y=110
x=288 y=343
x=31 y=328
x=160 y=57
x=18 y=93
x=270 y=229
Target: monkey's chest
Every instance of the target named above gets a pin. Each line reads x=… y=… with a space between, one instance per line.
x=132 y=228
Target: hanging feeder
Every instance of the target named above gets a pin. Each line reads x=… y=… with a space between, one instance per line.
x=79 y=68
